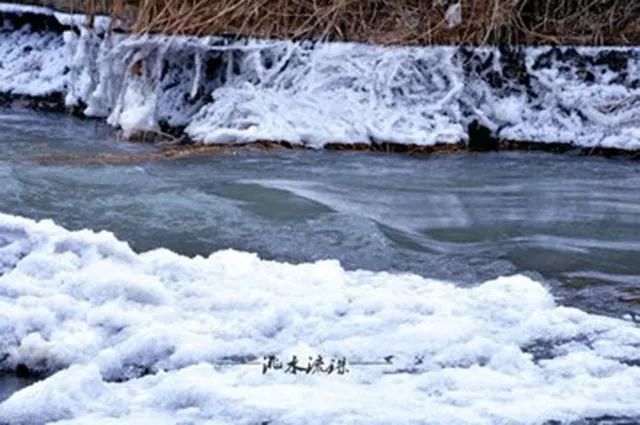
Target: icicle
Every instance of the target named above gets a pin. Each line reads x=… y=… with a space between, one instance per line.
x=197 y=78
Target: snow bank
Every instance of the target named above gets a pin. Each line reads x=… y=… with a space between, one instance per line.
x=345 y=93
x=585 y=96
x=272 y=90
x=148 y=335
x=32 y=64
x=223 y=91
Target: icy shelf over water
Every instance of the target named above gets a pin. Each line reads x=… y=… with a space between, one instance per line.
x=129 y=336
x=224 y=91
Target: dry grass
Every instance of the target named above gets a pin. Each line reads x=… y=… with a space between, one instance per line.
x=387 y=21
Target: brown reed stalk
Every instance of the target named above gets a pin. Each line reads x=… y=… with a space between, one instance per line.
x=383 y=21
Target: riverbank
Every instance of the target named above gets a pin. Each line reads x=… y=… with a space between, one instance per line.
x=213 y=90
x=468 y=289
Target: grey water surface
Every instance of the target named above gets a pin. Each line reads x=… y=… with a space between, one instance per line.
x=9 y=384
x=571 y=221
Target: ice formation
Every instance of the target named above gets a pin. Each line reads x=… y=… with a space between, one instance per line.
x=170 y=338
x=577 y=95
x=32 y=64
x=223 y=91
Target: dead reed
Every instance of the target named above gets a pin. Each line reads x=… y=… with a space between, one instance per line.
x=385 y=21
x=397 y=21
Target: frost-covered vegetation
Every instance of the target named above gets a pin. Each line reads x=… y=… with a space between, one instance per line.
x=220 y=90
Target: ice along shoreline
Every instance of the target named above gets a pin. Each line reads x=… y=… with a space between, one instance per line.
x=338 y=96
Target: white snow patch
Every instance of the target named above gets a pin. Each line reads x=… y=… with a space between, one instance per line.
x=247 y=91
x=86 y=305
x=32 y=64
x=25 y=8
x=100 y=23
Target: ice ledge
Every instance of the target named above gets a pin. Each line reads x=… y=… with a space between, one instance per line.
x=313 y=94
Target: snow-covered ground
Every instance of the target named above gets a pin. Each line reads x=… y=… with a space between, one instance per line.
x=223 y=91
x=160 y=338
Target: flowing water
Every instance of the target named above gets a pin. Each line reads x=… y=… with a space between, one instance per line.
x=10 y=384
x=570 y=221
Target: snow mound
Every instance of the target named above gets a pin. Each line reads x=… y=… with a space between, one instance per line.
x=160 y=336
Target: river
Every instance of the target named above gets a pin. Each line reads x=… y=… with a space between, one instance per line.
x=570 y=221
